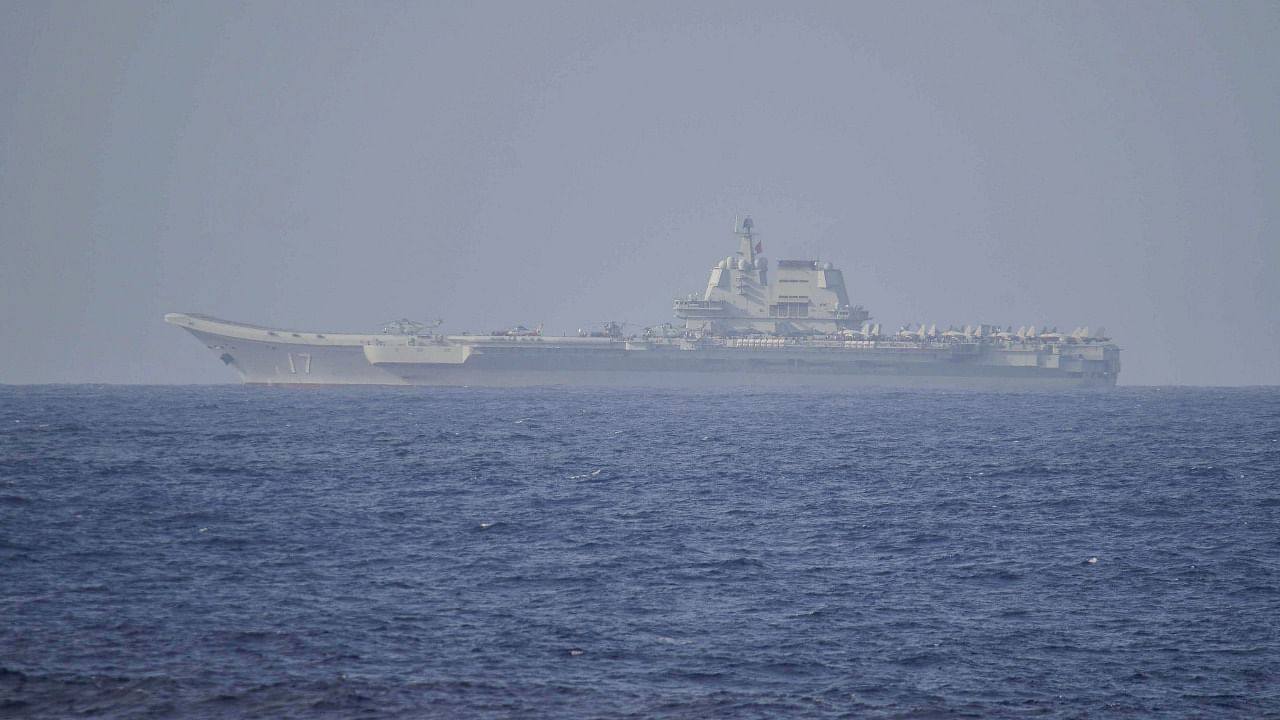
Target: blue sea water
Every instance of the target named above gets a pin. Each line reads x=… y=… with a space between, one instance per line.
x=257 y=552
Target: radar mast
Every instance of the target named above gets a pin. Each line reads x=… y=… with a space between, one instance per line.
x=747 y=245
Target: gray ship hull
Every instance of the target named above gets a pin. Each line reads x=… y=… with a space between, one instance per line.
x=749 y=327
x=272 y=356
x=735 y=367
x=689 y=379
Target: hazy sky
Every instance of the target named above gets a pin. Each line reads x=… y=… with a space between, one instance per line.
x=332 y=166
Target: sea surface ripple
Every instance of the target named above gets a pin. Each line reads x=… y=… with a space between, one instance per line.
x=227 y=551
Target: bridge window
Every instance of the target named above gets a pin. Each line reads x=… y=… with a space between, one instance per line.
x=789 y=310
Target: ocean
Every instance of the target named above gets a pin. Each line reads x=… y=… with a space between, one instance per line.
x=228 y=551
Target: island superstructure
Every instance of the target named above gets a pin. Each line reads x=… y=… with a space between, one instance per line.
x=796 y=327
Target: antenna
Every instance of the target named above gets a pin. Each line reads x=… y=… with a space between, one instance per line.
x=745 y=230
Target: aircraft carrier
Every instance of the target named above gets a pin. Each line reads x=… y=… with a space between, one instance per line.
x=792 y=325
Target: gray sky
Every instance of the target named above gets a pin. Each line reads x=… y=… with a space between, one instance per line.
x=332 y=166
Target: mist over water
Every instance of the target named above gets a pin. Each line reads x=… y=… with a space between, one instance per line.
x=227 y=552
x=328 y=167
